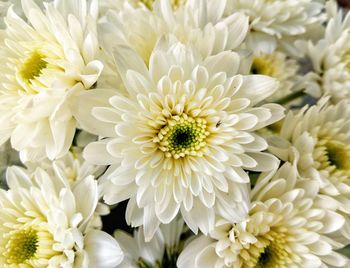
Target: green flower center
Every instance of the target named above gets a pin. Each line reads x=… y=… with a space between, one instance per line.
x=32 y=66
x=21 y=246
x=264 y=258
x=276 y=252
x=183 y=136
x=338 y=155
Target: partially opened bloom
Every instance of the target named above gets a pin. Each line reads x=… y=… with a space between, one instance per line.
x=44 y=61
x=161 y=251
x=277 y=65
x=197 y=23
x=71 y=168
x=182 y=137
x=317 y=139
x=330 y=57
x=288 y=226
x=273 y=21
x=43 y=223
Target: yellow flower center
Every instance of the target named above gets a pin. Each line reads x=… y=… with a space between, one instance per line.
x=21 y=246
x=183 y=136
x=32 y=66
x=333 y=156
x=346 y=59
x=174 y=3
x=338 y=155
x=264 y=64
x=275 y=253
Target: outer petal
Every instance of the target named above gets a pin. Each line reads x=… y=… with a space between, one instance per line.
x=103 y=250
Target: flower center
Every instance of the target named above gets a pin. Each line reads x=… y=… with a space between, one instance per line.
x=265 y=257
x=263 y=65
x=174 y=3
x=338 y=155
x=21 y=246
x=32 y=66
x=275 y=254
x=183 y=136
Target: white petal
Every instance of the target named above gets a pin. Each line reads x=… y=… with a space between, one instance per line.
x=103 y=250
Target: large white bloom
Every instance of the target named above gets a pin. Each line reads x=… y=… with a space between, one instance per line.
x=275 y=20
x=43 y=223
x=330 y=57
x=318 y=140
x=198 y=23
x=161 y=251
x=43 y=62
x=287 y=226
x=180 y=139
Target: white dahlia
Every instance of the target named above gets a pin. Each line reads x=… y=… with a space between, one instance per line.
x=330 y=57
x=287 y=226
x=44 y=224
x=161 y=251
x=198 y=23
x=182 y=137
x=44 y=61
x=275 y=20
x=318 y=140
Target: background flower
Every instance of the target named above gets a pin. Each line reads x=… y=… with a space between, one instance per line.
x=287 y=227
x=49 y=225
x=45 y=61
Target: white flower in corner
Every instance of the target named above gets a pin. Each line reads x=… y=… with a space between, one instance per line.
x=317 y=139
x=272 y=21
x=161 y=251
x=330 y=57
x=70 y=169
x=44 y=61
x=182 y=137
x=287 y=226
x=44 y=224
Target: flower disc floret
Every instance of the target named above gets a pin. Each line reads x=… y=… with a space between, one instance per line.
x=183 y=136
x=21 y=246
x=32 y=66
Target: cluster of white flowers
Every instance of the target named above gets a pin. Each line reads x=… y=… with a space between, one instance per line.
x=222 y=127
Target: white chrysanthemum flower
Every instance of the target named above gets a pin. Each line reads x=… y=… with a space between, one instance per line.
x=330 y=57
x=318 y=140
x=70 y=168
x=43 y=223
x=44 y=62
x=161 y=251
x=198 y=23
x=274 y=20
x=180 y=139
x=279 y=66
x=287 y=226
